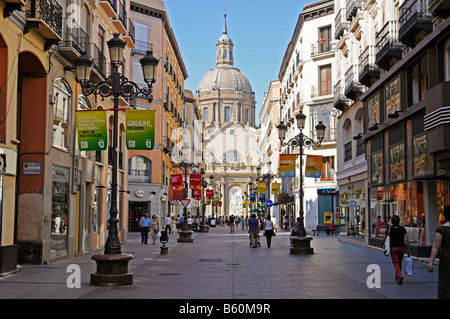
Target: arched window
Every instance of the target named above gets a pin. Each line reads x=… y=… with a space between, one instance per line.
x=61 y=113
x=139 y=170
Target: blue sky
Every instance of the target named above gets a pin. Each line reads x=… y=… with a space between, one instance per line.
x=260 y=30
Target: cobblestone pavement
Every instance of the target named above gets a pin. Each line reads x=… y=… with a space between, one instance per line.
x=221 y=266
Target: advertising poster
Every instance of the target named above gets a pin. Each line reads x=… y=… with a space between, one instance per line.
x=140 y=130
x=313 y=166
x=92 y=130
x=261 y=188
x=195 y=181
x=287 y=165
x=209 y=194
x=176 y=181
x=276 y=187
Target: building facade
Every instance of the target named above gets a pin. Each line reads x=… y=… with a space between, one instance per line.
x=227 y=103
x=306 y=84
x=61 y=195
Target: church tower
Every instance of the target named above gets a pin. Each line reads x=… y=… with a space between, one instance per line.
x=227 y=102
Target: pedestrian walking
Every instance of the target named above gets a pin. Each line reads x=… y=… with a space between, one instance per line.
x=398 y=245
x=231 y=221
x=442 y=246
x=268 y=230
x=168 y=221
x=275 y=224
x=154 y=228
x=379 y=225
x=145 y=223
x=253 y=228
x=173 y=226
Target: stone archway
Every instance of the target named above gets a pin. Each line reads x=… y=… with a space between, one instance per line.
x=235 y=194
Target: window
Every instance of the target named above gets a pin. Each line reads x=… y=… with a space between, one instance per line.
x=141 y=31
x=325 y=80
x=227 y=114
x=61 y=114
x=373 y=111
x=418 y=80
x=139 y=170
x=327 y=173
x=323 y=113
x=392 y=97
x=324 y=40
x=101 y=39
x=205 y=114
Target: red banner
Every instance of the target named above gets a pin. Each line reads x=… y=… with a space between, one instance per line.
x=195 y=181
x=197 y=194
x=176 y=182
x=209 y=194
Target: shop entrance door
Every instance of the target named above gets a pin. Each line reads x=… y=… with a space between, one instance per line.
x=136 y=211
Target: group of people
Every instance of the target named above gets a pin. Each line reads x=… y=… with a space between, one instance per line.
x=149 y=225
x=399 y=245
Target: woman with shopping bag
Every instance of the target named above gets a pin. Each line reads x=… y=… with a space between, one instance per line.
x=398 y=239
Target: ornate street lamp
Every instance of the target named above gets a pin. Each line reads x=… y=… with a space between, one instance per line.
x=301 y=141
x=116 y=86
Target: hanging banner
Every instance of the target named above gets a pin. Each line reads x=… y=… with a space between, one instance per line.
x=252 y=198
x=313 y=166
x=287 y=165
x=197 y=194
x=92 y=130
x=261 y=188
x=216 y=200
x=140 y=131
x=276 y=187
x=176 y=181
x=195 y=181
x=209 y=194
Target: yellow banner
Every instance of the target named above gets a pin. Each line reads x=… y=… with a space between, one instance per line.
x=276 y=187
x=261 y=188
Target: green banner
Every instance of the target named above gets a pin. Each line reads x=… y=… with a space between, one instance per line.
x=140 y=129
x=92 y=130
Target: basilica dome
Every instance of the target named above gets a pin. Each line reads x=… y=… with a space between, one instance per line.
x=225 y=78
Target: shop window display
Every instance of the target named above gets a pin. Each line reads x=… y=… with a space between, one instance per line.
x=60 y=192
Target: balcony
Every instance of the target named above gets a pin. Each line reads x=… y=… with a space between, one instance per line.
x=341 y=23
x=352 y=86
x=46 y=18
x=368 y=69
x=341 y=102
x=99 y=66
x=167 y=145
x=414 y=21
x=75 y=41
x=11 y=6
x=388 y=46
x=129 y=38
x=122 y=18
x=352 y=8
x=110 y=7
x=323 y=49
x=440 y=8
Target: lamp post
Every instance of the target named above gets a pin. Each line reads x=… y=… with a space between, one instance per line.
x=116 y=86
x=266 y=178
x=301 y=141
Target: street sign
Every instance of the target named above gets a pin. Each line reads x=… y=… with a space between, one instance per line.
x=269 y=203
x=185 y=202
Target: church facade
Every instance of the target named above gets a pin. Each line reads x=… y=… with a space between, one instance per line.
x=227 y=102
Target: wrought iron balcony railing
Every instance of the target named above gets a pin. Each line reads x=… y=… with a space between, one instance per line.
x=47 y=12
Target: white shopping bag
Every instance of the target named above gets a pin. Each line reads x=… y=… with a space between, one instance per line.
x=409 y=265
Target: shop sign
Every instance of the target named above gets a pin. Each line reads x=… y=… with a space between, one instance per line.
x=92 y=130
x=31 y=168
x=140 y=130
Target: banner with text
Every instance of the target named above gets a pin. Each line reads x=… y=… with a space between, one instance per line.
x=287 y=165
x=195 y=181
x=92 y=130
x=176 y=181
x=140 y=130
x=261 y=188
x=313 y=166
x=276 y=188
